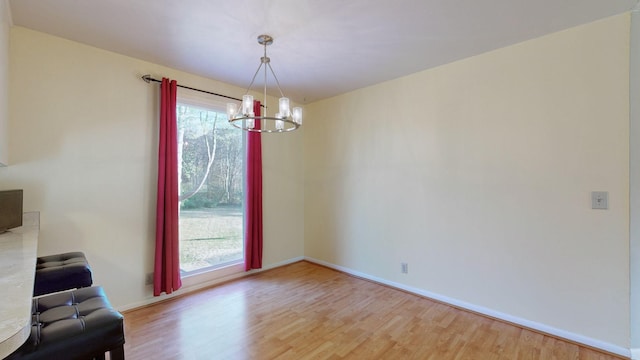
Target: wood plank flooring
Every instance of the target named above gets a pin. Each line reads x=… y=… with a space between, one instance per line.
x=306 y=311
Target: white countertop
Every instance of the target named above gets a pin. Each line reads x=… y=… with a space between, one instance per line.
x=18 y=253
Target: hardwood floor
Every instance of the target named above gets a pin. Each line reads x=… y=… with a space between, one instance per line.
x=306 y=311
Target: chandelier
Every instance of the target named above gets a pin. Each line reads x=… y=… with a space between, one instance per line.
x=243 y=116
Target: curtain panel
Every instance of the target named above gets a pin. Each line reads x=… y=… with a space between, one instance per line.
x=253 y=228
x=166 y=276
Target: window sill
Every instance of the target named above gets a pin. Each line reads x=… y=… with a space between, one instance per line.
x=213 y=275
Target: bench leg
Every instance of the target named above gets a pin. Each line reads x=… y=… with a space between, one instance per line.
x=117 y=353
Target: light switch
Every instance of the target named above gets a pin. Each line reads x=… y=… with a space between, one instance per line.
x=599 y=200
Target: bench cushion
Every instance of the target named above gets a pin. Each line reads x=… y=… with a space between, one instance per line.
x=61 y=272
x=79 y=324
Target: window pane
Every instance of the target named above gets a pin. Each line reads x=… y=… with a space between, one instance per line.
x=210 y=166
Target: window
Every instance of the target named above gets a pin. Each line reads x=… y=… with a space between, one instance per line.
x=210 y=169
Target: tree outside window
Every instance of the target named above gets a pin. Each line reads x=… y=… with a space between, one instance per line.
x=210 y=169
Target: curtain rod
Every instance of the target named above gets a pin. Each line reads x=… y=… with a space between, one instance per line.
x=148 y=79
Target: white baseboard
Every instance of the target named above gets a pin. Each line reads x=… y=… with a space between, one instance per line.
x=190 y=286
x=594 y=343
x=635 y=354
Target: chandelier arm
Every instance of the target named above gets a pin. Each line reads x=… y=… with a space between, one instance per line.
x=264 y=90
x=253 y=79
x=276 y=78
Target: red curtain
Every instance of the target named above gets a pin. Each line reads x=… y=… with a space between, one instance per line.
x=253 y=229
x=166 y=276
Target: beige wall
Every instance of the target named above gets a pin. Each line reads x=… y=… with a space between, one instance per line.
x=478 y=174
x=83 y=146
x=5 y=21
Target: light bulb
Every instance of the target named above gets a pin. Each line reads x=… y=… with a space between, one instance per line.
x=232 y=110
x=247 y=105
x=284 y=107
x=297 y=115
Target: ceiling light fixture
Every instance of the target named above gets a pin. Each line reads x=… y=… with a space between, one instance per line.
x=243 y=117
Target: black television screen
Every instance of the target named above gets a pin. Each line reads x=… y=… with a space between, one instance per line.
x=10 y=209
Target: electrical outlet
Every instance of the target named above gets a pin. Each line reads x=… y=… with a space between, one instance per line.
x=599 y=200
x=404 y=268
x=148 y=280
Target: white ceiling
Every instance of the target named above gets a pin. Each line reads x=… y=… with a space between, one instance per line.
x=322 y=48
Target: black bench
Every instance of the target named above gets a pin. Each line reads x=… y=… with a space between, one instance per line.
x=61 y=272
x=78 y=324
